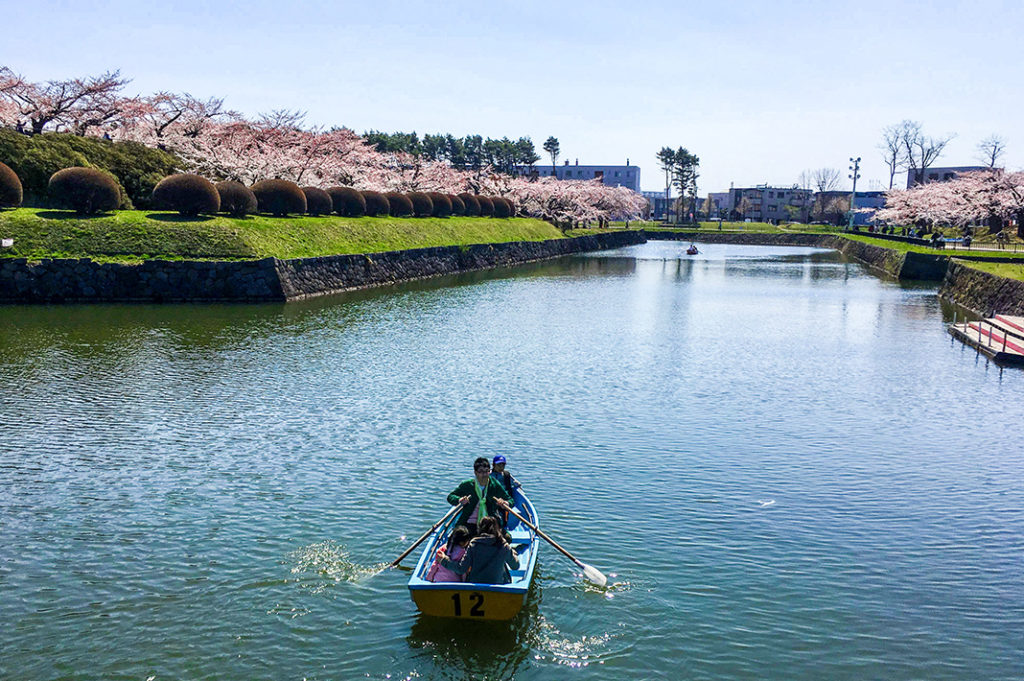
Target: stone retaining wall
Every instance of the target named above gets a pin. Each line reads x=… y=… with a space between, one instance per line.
x=270 y=279
x=982 y=293
x=83 y=280
x=307 y=277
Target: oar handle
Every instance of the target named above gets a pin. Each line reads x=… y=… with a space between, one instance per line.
x=546 y=538
x=426 y=534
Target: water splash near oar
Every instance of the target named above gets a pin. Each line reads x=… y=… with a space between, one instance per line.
x=328 y=562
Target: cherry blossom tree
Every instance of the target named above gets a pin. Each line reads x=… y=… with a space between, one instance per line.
x=970 y=198
x=76 y=104
x=221 y=144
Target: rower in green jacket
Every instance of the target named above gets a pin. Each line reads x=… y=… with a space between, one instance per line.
x=480 y=487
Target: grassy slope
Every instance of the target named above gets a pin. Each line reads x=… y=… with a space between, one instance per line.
x=1008 y=270
x=134 y=235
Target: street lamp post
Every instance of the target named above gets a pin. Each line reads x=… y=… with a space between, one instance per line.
x=853 y=194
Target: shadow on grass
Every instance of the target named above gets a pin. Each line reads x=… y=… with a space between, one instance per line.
x=175 y=217
x=70 y=215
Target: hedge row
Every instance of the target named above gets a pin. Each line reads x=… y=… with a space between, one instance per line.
x=136 y=167
x=92 y=190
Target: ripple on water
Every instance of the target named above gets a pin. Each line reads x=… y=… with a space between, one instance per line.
x=577 y=650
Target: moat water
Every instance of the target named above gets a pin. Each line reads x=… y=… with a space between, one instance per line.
x=782 y=461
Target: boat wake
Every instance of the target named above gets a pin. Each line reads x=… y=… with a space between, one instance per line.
x=319 y=566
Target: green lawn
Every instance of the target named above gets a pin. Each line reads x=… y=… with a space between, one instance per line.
x=138 y=235
x=1009 y=270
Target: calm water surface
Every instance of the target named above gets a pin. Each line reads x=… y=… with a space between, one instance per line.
x=783 y=460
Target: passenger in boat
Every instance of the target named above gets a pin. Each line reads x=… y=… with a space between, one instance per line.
x=508 y=483
x=499 y=473
x=488 y=558
x=456 y=549
x=481 y=487
x=692 y=250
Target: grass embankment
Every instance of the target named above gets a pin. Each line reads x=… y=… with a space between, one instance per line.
x=950 y=252
x=130 y=236
x=1008 y=270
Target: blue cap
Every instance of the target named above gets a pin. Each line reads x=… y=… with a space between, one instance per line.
x=498 y=459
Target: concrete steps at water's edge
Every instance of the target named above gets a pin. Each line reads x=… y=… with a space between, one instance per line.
x=1000 y=337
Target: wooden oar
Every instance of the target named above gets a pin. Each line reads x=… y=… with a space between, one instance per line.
x=449 y=514
x=589 y=571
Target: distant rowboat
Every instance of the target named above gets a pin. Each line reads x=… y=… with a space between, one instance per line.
x=469 y=600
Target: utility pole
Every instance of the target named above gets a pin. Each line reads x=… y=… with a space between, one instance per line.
x=853 y=194
x=668 y=193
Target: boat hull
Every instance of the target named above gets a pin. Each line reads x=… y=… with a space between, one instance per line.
x=462 y=603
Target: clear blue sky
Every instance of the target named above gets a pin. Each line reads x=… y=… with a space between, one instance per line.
x=759 y=90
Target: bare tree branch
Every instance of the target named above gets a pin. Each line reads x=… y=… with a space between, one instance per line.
x=825 y=179
x=921 y=151
x=991 y=149
x=893 y=153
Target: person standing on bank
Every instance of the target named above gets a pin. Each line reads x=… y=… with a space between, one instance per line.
x=499 y=473
x=480 y=488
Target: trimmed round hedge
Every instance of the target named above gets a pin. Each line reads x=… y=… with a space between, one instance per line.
x=347 y=202
x=236 y=198
x=186 y=194
x=318 y=202
x=422 y=206
x=442 y=204
x=458 y=206
x=376 y=204
x=486 y=206
x=472 y=205
x=401 y=206
x=279 y=197
x=85 y=190
x=11 y=193
x=502 y=207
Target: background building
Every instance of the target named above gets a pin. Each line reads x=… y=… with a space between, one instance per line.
x=766 y=203
x=613 y=176
x=718 y=205
x=833 y=207
x=661 y=204
x=942 y=174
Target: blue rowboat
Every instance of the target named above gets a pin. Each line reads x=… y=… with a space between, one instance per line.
x=469 y=600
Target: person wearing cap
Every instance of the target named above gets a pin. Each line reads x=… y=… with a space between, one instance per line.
x=499 y=473
x=480 y=488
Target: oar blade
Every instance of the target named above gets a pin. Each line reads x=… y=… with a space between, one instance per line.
x=594 y=575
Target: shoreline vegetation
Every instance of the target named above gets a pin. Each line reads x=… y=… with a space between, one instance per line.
x=133 y=236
